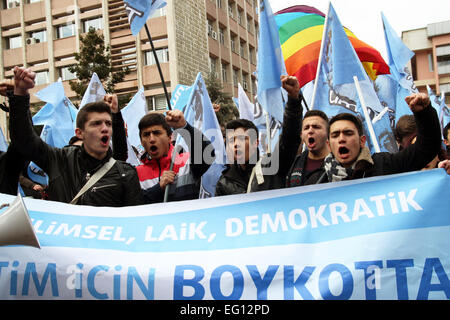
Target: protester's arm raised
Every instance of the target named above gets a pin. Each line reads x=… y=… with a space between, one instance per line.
x=417 y=102
x=427 y=145
x=192 y=136
x=119 y=135
x=28 y=143
x=292 y=123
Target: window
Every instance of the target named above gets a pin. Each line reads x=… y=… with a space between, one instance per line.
x=221 y=36
x=252 y=55
x=131 y=56
x=443 y=59
x=249 y=25
x=242 y=50
x=14 y=42
x=219 y=3
x=40 y=36
x=213 y=64
x=12 y=4
x=230 y=12
x=211 y=32
x=159 y=13
x=210 y=27
x=162 y=54
x=41 y=77
x=235 y=77
x=430 y=62
x=65 y=31
x=233 y=44
x=239 y=18
x=65 y=74
x=224 y=73
x=96 y=23
x=158 y=102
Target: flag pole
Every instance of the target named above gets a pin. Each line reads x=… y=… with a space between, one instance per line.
x=313 y=98
x=159 y=67
x=269 y=134
x=373 y=137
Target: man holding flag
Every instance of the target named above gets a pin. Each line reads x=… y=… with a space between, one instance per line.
x=163 y=165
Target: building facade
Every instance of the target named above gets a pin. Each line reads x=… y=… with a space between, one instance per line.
x=189 y=36
x=431 y=63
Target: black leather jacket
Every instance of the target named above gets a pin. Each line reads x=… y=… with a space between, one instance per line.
x=234 y=180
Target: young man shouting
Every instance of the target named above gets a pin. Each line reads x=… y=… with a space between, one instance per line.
x=71 y=167
x=156 y=174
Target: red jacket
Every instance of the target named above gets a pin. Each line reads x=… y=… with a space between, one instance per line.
x=187 y=181
x=151 y=170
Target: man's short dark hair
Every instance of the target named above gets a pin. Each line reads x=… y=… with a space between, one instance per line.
x=349 y=117
x=154 y=119
x=241 y=123
x=405 y=126
x=82 y=116
x=445 y=131
x=318 y=113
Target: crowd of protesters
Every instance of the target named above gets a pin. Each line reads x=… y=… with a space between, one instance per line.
x=312 y=149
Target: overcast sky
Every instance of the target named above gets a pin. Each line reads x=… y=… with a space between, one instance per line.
x=363 y=17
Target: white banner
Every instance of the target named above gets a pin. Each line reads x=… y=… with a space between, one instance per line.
x=376 y=238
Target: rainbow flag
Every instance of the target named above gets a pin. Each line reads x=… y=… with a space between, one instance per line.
x=301 y=28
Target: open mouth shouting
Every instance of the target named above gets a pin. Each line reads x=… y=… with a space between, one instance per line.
x=311 y=143
x=344 y=152
x=104 y=140
x=153 y=150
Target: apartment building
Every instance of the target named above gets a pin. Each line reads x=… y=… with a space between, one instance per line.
x=431 y=63
x=189 y=36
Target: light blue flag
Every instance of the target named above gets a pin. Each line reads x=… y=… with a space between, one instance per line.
x=132 y=114
x=180 y=97
x=270 y=66
x=94 y=92
x=3 y=142
x=336 y=91
x=438 y=103
x=386 y=88
x=435 y=100
x=36 y=174
x=444 y=117
x=59 y=114
x=260 y=121
x=236 y=102
x=400 y=82
x=200 y=114
x=138 y=12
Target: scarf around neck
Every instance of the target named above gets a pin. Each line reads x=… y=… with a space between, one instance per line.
x=336 y=172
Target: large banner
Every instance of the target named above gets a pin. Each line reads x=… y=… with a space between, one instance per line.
x=377 y=238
